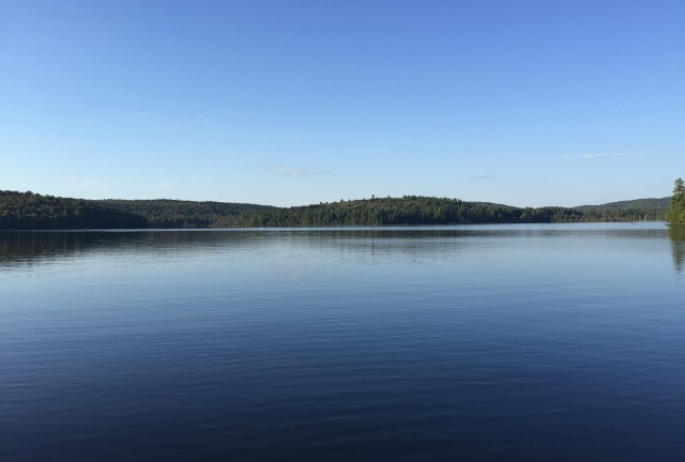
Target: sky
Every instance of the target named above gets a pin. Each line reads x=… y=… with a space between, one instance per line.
x=288 y=102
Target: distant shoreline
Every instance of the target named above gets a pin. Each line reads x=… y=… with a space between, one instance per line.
x=29 y=211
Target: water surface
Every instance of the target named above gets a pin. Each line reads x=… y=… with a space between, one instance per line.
x=537 y=342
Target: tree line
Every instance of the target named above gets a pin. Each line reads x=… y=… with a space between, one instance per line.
x=676 y=212
x=34 y=211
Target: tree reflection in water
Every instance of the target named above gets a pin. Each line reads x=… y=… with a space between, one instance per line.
x=677 y=235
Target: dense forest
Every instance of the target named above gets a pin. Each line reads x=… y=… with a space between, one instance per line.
x=34 y=211
x=408 y=210
x=635 y=210
x=163 y=213
x=676 y=212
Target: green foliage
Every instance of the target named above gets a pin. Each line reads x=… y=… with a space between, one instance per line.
x=408 y=210
x=677 y=235
x=33 y=211
x=165 y=213
x=635 y=210
x=676 y=213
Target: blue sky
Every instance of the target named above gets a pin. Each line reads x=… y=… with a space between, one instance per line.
x=284 y=102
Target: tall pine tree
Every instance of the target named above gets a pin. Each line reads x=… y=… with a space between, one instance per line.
x=676 y=214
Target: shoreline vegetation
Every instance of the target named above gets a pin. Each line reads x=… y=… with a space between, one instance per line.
x=29 y=211
x=676 y=212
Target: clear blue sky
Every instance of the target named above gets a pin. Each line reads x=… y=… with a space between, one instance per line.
x=288 y=102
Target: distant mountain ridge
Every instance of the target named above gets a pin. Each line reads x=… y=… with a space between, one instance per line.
x=26 y=210
x=662 y=203
x=632 y=210
x=167 y=213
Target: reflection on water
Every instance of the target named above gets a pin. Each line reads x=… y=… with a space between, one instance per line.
x=426 y=243
x=677 y=235
x=536 y=342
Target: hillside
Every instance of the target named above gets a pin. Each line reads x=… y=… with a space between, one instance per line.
x=407 y=210
x=34 y=211
x=165 y=213
x=632 y=210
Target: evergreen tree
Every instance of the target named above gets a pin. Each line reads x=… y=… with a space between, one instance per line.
x=676 y=214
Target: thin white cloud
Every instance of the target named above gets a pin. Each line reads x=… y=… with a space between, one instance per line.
x=371 y=140
x=291 y=172
x=164 y=185
x=602 y=155
x=294 y=172
x=191 y=122
x=142 y=115
x=83 y=183
x=194 y=120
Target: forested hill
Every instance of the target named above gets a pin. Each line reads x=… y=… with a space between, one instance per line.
x=635 y=210
x=34 y=211
x=408 y=210
x=164 y=213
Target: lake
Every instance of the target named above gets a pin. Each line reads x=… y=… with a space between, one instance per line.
x=470 y=343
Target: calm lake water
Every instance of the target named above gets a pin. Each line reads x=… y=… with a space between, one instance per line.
x=523 y=342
